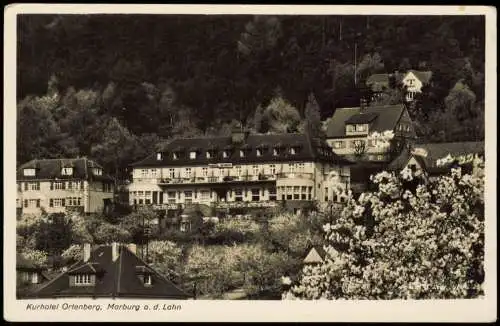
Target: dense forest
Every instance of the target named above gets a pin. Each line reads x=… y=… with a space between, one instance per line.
x=113 y=87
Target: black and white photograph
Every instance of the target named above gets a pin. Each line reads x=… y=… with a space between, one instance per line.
x=167 y=160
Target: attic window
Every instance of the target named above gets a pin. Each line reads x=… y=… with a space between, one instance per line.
x=97 y=171
x=259 y=152
x=349 y=128
x=29 y=172
x=158 y=156
x=242 y=153
x=67 y=171
x=225 y=154
x=276 y=151
x=192 y=155
x=147 y=279
x=83 y=279
x=209 y=155
x=293 y=150
x=175 y=156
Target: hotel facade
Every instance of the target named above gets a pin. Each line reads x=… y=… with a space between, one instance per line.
x=240 y=171
x=61 y=185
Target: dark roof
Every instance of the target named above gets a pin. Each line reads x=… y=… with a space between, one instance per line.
x=387 y=117
x=308 y=149
x=436 y=151
x=52 y=169
x=378 y=82
x=423 y=76
x=361 y=171
x=362 y=118
x=113 y=279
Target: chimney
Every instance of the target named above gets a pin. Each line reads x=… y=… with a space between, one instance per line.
x=86 y=252
x=133 y=248
x=115 y=251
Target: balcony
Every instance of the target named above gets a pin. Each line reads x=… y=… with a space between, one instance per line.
x=245 y=204
x=296 y=175
x=216 y=179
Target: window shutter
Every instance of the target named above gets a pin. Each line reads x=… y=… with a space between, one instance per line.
x=81 y=185
x=25 y=186
x=38 y=186
x=63 y=202
x=51 y=203
x=38 y=203
x=64 y=185
x=51 y=186
x=25 y=203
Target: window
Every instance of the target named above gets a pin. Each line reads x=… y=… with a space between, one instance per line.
x=188 y=173
x=25 y=203
x=192 y=155
x=272 y=194
x=349 y=128
x=58 y=185
x=97 y=171
x=144 y=173
x=158 y=156
x=67 y=171
x=209 y=155
x=411 y=81
x=83 y=279
x=204 y=172
x=380 y=157
x=259 y=152
x=33 y=186
x=326 y=194
x=292 y=150
x=175 y=156
x=171 y=197
x=29 y=172
x=289 y=194
x=296 y=194
x=272 y=169
x=255 y=194
x=147 y=279
x=255 y=169
x=276 y=151
x=361 y=128
x=301 y=167
x=303 y=193
x=238 y=195
x=57 y=202
x=205 y=195
x=292 y=167
x=338 y=144
x=225 y=154
x=32 y=203
x=242 y=153
x=188 y=196
x=171 y=173
x=153 y=173
x=238 y=171
x=309 y=193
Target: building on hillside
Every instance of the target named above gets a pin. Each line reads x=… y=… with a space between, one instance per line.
x=379 y=83
x=29 y=276
x=413 y=82
x=110 y=271
x=350 y=132
x=241 y=171
x=60 y=185
x=424 y=157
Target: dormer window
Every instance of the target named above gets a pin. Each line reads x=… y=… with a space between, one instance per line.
x=97 y=171
x=175 y=156
x=83 y=279
x=349 y=128
x=209 y=155
x=29 y=172
x=192 y=155
x=293 y=151
x=67 y=171
x=159 y=156
x=259 y=152
x=242 y=153
x=225 y=154
x=276 y=151
x=361 y=128
x=147 y=279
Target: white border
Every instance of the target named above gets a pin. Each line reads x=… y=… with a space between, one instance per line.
x=398 y=310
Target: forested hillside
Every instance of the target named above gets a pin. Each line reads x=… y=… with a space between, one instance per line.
x=114 y=86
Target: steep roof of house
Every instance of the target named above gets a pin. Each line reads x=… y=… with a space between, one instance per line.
x=384 y=117
x=113 y=279
x=306 y=149
x=52 y=169
x=423 y=76
x=436 y=151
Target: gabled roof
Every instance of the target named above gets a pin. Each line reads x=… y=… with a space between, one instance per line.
x=362 y=118
x=434 y=152
x=387 y=117
x=307 y=150
x=113 y=279
x=52 y=169
x=423 y=76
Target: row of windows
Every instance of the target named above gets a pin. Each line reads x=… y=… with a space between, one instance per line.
x=338 y=144
x=295 y=193
x=30 y=172
x=62 y=185
x=54 y=202
x=83 y=279
x=356 y=128
x=227 y=153
x=206 y=171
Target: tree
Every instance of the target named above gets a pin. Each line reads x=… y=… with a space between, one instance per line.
x=165 y=257
x=371 y=64
x=313 y=118
x=281 y=117
x=411 y=238
x=390 y=96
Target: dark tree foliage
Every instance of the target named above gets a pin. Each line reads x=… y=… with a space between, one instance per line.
x=163 y=76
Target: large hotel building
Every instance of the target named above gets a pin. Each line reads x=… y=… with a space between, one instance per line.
x=241 y=170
